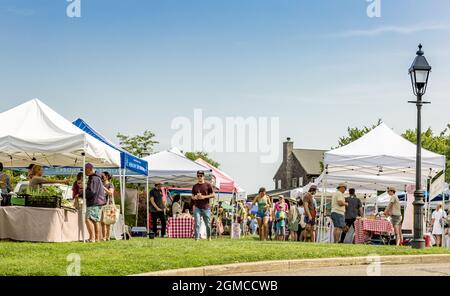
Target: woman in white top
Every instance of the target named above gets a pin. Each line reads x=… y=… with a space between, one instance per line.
x=176 y=206
x=301 y=224
x=436 y=219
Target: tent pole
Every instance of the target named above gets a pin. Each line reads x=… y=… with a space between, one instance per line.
x=83 y=208
x=147 y=200
x=217 y=213
x=443 y=241
x=122 y=200
x=322 y=216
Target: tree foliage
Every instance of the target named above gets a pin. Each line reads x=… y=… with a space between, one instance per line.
x=438 y=143
x=203 y=155
x=140 y=145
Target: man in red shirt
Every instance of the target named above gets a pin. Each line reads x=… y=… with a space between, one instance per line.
x=201 y=193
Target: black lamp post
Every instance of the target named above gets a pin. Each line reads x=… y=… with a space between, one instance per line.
x=419 y=72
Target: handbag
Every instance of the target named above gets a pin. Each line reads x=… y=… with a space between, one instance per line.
x=110 y=213
x=444 y=222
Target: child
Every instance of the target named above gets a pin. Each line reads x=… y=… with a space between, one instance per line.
x=280 y=218
x=253 y=225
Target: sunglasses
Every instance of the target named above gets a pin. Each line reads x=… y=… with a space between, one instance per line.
x=198 y=176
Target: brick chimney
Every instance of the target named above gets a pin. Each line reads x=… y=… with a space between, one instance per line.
x=288 y=146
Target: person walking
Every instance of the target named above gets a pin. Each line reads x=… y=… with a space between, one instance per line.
x=352 y=211
x=5 y=181
x=158 y=209
x=95 y=199
x=242 y=216
x=293 y=219
x=264 y=205
x=393 y=210
x=338 y=205
x=310 y=213
x=281 y=209
x=437 y=219
x=202 y=192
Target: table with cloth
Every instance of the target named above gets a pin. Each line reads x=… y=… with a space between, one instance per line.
x=180 y=227
x=364 y=227
x=41 y=224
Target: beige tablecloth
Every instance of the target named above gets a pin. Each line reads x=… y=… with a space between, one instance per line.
x=40 y=224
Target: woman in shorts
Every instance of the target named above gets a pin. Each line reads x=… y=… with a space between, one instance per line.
x=264 y=205
x=393 y=210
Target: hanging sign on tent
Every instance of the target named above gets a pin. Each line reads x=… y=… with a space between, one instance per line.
x=437 y=186
x=131 y=200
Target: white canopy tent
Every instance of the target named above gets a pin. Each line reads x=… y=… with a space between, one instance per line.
x=379 y=159
x=34 y=133
x=171 y=167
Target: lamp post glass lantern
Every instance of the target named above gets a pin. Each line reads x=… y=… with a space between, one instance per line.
x=419 y=73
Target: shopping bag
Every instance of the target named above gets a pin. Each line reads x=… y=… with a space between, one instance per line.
x=349 y=236
x=236 y=231
x=110 y=213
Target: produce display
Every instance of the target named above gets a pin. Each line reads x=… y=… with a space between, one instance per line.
x=47 y=197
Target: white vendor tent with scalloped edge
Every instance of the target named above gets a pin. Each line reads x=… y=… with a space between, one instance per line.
x=379 y=159
x=171 y=167
x=34 y=133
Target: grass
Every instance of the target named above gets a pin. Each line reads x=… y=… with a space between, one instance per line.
x=143 y=255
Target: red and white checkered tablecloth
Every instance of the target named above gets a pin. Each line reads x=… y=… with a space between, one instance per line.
x=180 y=227
x=363 y=228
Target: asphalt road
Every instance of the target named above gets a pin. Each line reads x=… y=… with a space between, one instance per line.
x=442 y=269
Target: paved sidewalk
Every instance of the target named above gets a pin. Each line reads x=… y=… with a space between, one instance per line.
x=293 y=266
x=434 y=269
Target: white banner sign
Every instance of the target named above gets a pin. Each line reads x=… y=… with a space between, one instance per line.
x=437 y=187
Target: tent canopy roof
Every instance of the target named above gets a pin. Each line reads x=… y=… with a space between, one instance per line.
x=34 y=133
x=129 y=162
x=382 y=148
x=378 y=159
x=173 y=168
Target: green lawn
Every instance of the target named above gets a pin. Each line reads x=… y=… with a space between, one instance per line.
x=143 y=255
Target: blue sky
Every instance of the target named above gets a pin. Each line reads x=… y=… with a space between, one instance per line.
x=319 y=66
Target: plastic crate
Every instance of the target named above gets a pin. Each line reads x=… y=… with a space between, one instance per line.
x=17 y=200
x=43 y=201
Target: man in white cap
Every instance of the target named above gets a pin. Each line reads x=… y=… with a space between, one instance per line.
x=338 y=205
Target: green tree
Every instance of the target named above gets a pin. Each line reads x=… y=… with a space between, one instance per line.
x=202 y=155
x=140 y=145
x=354 y=133
x=438 y=143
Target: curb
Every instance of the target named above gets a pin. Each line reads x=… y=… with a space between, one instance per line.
x=287 y=265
